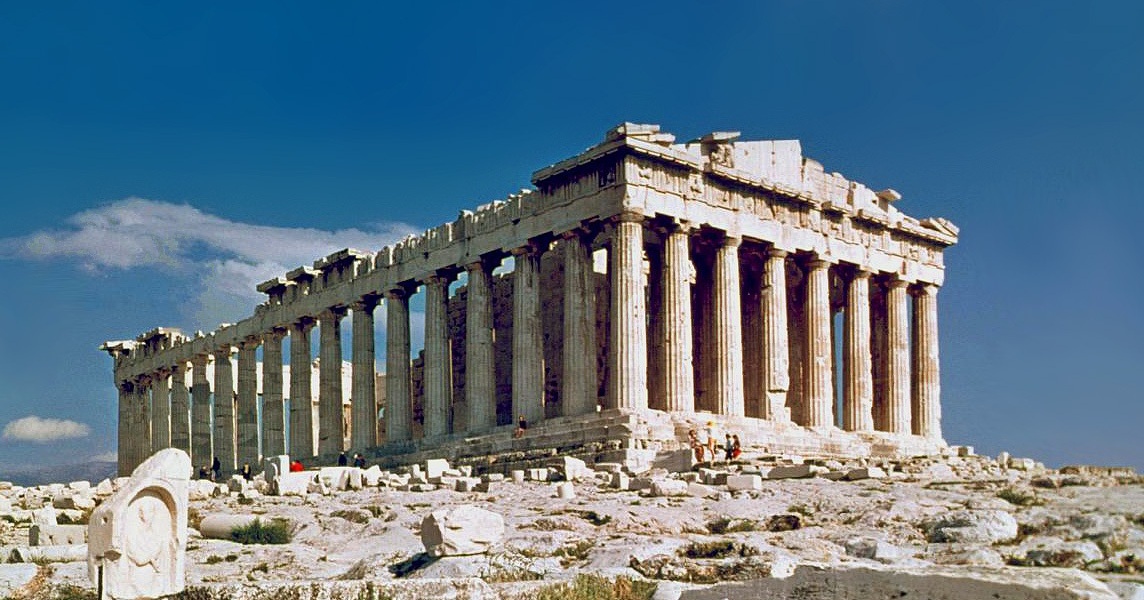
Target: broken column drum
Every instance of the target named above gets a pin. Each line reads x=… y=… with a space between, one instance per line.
x=593 y=297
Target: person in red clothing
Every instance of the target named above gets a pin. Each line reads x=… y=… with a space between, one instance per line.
x=296 y=466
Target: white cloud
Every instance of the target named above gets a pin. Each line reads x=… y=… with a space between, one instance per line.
x=222 y=260
x=104 y=457
x=39 y=430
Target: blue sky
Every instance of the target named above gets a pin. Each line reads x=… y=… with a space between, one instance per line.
x=286 y=131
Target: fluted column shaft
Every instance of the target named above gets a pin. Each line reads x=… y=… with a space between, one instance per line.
x=273 y=402
x=627 y=349
x=927 y=368
x=301 y=392
x=202 y=447
x=331 y=422
x=898 y=359
x=480 y=383
x=363 y=395
x=727 y=328
x=678 y=370
x=857 y=362
x=224 y=397
x=819 y=387
x=180 y=409
x=123 y=442
x=578 y=383
x=161 y=411
x=776 y=350
x=398 y=399
x=527 y=337
x=247 y=403
x=438 y=357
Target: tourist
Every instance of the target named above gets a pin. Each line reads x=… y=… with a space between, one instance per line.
x=729 y=448
x=204 y=472
x=216 y=469
x=343 y=460
x=693 y=441
x=247 y=474
x=736 y=448
x=712 y=439
x=296 y=466
x=521 y=426
x=359 y=460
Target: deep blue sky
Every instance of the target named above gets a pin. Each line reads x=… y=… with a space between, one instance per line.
x=1020 y=123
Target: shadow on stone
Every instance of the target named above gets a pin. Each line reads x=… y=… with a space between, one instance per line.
x=411 y=564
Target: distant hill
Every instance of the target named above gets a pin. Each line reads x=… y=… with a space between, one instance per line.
x=93 y=471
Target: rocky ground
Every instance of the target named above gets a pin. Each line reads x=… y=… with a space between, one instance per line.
x=762 y=527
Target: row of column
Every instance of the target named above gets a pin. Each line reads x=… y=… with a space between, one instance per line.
x=880 y=359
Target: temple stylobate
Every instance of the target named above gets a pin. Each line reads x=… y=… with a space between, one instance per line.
x=643 y=287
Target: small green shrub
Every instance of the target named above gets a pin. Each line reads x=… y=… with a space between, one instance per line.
x=717 y=549
x=575 y=552
x=353 y=516
x=1018 y=497
x=503 y=575
x=728 y=525
x=73 y=592
x=596 y=587
x=272 y=532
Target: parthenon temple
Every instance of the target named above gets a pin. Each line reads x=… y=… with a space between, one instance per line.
x=642 y=289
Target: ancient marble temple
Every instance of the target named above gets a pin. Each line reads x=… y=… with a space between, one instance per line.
x=643 y=287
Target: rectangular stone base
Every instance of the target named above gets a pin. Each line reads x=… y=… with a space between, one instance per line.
x=604 y=436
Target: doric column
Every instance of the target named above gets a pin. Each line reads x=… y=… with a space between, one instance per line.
x=161 y=410
x=927 y=369
x=180 y=409
x=398 y=399
x=123 y=445
x=140 y=442
x=247 y=403
x=273 y=401
x=578 y=383
x=224 y=396
x=301 y=394
x=678 y=371
x=438 y=358
x=363 y=395
x=776 y=351
x=480 y=383
x=527 y=336
x=627 y=348
x=202 y=448
x=727 y=328
x=331 y=421
x=898 y=359
x=857 y=362
x=819 y=387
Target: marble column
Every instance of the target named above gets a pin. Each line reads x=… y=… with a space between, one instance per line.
x=898 y=359
x=819 y=386
x=247 y=403
x=123 y=441
x=927 y=369
x=141 y=422
x=301 y=392
x=202 y=447
x=180 y=409
x=224 y=397
x=656 y=386
x=527 y=337
x=438 y=358
x=161 y=411
x=331 y=420
x=398 y=396
x=363 y=395
x=776 y=351
x=677 y=348
x=857 y=361
x=578 y=384
x=480 y=382
x=627 y=348
x=727 y=328
x=273 y=400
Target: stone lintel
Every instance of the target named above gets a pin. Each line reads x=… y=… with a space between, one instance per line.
x=272 y=285
x=302 y=274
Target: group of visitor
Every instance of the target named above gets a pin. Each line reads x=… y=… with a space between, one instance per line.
x=708 y=445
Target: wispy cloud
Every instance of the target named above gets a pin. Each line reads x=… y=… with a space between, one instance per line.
x=226 y=259
x=104 y=457
x=40 y=430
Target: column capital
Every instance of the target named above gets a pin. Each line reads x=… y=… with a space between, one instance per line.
x=775 y=252
x=249 y=342
x=860 y=272
x=583 y=231
x=895 y=283
x=731 y=240
x=924 y=289
x=366 y=303
x=332 y=312
x=399 y=291
x=445 y=276
x=226 y=348
x=628 y=217
x=670 y=225
x=531 y=247
x=162 y=372
x=303 y=324
x=818 y=262
x=275 y=333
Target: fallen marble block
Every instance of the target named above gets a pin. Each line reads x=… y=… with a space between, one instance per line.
x=462 y=530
